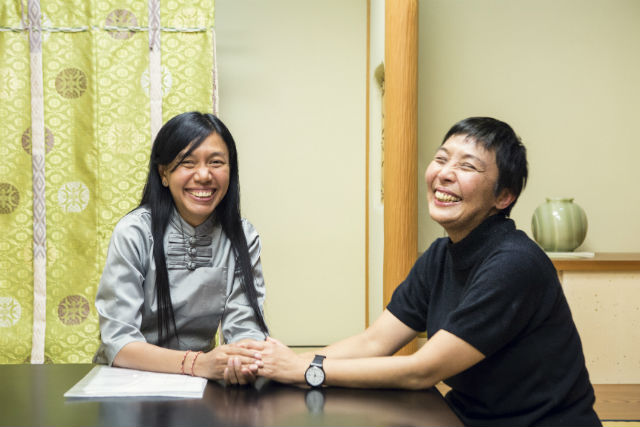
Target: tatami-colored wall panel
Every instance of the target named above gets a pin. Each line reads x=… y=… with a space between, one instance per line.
x=606 y=310
x=293 y=92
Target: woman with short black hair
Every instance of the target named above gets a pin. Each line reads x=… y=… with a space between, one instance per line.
x=500 y=330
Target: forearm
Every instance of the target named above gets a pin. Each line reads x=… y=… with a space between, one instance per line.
x=212 y=364
x=356 y=346
x=383 y=338
x=443 y=356
x=405 y=372
x=149 y=357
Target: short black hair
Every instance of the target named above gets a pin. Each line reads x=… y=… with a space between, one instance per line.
x=511 y=155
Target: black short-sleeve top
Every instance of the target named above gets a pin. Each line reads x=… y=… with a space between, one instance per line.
x=498 y=291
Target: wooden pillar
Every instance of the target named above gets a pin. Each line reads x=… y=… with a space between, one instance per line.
x=400 y=145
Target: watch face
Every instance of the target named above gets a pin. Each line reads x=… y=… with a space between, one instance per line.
x=314 y=376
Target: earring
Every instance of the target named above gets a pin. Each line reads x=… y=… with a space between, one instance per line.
x=164 y=182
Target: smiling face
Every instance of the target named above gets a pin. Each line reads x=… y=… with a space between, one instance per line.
x=199 y=182
x=461 y=182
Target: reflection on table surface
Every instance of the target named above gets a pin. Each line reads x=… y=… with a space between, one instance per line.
x=32 y=395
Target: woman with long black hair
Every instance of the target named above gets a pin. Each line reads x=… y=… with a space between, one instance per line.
x=184 y=262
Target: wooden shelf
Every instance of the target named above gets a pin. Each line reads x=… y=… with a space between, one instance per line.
x=601 y=261
x=617 y=401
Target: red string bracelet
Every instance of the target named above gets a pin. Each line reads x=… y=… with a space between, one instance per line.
x=183 y=359
x=194 y=362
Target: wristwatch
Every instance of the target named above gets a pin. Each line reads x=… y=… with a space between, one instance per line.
x=315 y=373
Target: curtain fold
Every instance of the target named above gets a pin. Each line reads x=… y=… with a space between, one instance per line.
x=75 y=155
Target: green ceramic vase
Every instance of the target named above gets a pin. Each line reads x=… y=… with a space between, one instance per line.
x=559 y=225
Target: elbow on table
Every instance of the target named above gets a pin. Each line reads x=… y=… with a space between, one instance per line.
x=420 y=382
x=421 y=377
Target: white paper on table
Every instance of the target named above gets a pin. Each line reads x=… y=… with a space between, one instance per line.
x=105 y=381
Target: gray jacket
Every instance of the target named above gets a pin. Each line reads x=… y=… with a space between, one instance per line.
x=205 y=287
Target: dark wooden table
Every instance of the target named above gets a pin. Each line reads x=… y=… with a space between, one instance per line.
x=32 y=395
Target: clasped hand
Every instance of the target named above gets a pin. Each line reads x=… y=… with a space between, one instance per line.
x=235 y=363
x=275 y=361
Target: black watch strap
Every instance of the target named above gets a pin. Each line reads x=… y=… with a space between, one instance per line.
x=318 y=360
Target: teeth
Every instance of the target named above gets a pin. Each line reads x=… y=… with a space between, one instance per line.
x=444 y=197
x=202 y=193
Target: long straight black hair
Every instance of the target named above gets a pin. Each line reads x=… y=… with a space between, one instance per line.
x=182 y=131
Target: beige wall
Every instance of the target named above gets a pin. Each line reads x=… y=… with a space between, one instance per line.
x=566 y=75
x=292 y=91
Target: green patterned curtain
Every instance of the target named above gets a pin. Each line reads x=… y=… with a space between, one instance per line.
x=84 y=87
